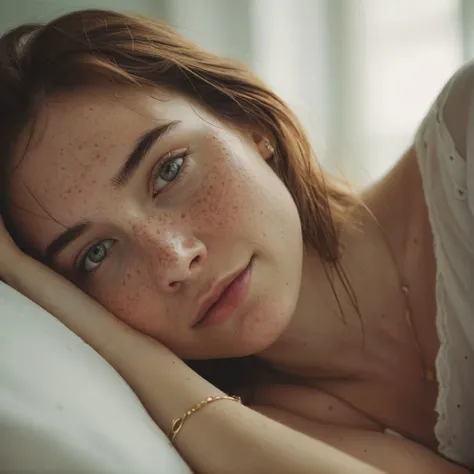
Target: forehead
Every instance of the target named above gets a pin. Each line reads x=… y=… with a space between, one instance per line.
x=94 y=119
x=79 y=142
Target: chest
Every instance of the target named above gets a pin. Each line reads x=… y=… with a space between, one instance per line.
x=356 y=406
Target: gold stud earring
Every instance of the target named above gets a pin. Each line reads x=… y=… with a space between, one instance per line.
x=269 y=147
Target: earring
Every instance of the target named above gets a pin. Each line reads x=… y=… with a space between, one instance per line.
x=269 y=147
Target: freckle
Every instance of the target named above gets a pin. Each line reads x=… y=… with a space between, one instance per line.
x=383 y=315
x=63 y=168
x=330 y=408
x=183 y=215
x=365 y=450
x=79 y=191
x=79 y=147
x=415 y=241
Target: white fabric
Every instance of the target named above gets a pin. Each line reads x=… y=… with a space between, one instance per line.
x=63 y=408
x=445 y=149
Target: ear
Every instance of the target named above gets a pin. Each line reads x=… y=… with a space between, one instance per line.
x=263 y=145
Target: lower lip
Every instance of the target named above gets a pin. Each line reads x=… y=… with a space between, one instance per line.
x=231 y=299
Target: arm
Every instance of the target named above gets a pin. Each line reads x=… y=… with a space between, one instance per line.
x=224 y=436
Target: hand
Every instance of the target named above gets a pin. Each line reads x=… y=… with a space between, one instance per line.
x=9 y=253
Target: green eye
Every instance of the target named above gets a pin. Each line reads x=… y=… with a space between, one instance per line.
x=96 y=254
x=171 y=169
x=167 y=173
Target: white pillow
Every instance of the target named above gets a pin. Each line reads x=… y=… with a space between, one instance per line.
x=63 y=408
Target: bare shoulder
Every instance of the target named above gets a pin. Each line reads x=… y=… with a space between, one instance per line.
x=391 y=454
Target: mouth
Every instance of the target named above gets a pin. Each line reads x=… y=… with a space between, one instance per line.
x=226 y=296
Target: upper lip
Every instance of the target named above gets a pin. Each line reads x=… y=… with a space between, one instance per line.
x=213 y=296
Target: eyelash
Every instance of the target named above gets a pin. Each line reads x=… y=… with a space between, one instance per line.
x=162 y=163
x=80 y=261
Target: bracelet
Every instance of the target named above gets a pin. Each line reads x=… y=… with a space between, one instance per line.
x=179 y=422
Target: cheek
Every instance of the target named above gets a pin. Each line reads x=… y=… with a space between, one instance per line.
x=218 y=203
x=134 y=300
x=263 y=326
x=230 y=199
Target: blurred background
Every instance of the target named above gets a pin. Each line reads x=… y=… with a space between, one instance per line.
x=360 y=73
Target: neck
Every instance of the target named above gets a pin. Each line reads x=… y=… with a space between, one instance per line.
x=331 y=336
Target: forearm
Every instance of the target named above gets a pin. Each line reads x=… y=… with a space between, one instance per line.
x=226 y=437
x=222 y=437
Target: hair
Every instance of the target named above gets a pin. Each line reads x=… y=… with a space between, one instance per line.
x=90 y=47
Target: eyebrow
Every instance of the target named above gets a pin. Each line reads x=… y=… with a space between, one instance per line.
x=63 y=240
x=123 y=176
x=135 y=158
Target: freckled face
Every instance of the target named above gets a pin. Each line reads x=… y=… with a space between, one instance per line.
x=151 y=244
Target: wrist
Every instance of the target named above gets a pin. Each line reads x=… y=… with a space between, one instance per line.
x=14 y=267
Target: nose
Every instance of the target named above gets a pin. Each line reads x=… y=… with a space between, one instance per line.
x=173 y=258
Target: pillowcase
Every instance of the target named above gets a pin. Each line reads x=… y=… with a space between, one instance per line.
x=63 y=408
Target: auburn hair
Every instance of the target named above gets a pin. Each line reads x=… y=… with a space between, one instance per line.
x=88 y=47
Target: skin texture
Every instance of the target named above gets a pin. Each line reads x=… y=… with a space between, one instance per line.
x=225 y=207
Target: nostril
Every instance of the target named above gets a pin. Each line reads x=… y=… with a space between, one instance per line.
x=195 y=260
x=174 y=284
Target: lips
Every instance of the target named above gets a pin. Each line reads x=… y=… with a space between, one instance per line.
x=228 y=292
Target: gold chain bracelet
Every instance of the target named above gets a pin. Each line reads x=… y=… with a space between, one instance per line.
x=178 y=422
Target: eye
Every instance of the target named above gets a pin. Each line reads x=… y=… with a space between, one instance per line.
x=167 y=171
x=95 y=255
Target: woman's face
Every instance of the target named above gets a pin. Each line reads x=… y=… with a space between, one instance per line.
x=162 y=204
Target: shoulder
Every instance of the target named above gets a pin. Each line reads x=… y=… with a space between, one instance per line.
x=455 y=108
x=444 y=142
x=444 y=145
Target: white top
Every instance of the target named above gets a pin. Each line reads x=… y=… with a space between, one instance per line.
x=445 y=148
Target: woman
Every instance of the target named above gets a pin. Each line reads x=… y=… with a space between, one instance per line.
x=182 y=196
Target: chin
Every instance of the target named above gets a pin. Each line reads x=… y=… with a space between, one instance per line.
x=260 y=329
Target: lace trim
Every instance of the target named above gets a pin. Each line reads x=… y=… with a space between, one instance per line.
x=443 y=430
